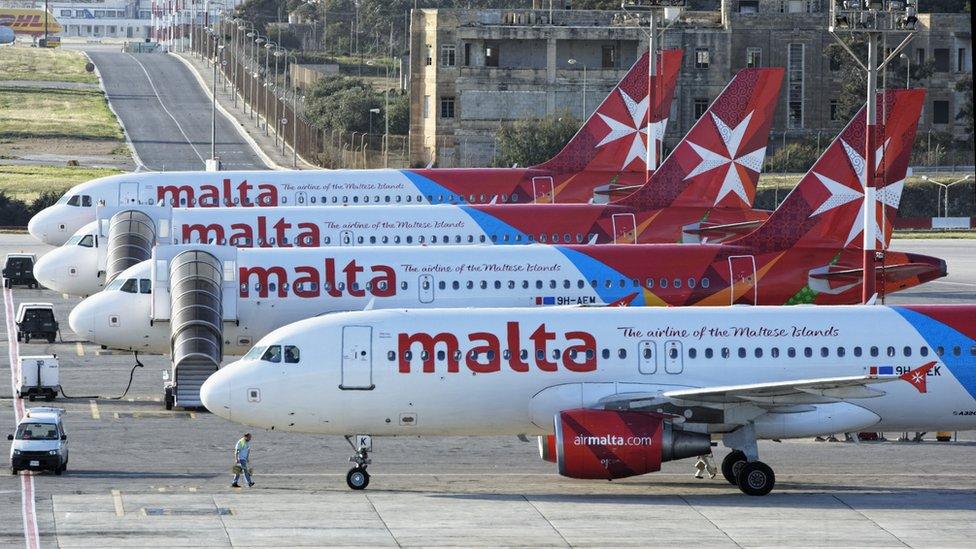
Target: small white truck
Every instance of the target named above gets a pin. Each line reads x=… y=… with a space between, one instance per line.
x=39 y=377
x=40 y=443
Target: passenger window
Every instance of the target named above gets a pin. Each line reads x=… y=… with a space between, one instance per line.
x=677 y=283
x=292 y=354
x=391 y=356
x=939 y=350
x=726 y=353
x=759 y=352
x=824 y=352
x=705 y=283
x=774 y=352
x=956 y=351
x=841 y=351
x=857 y=351
x=791 y=352
x=807 y=352
x=924 y=351
x=649 y=283
x=622 y=353
x=874 y=351
x=891 y=351
x=742 y=352
x=605 y=353
x=708 y=352
x=907 y=351
x=692 y=282
x=273 y=354
x=663 y=282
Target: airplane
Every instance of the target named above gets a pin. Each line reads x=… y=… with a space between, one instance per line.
x=688 y=187
x=806 y=252
x=611 y=392
x=609 y=149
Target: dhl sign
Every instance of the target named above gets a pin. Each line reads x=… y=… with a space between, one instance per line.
x=28 y=21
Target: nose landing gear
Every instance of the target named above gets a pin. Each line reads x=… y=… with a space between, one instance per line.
x=357 y=478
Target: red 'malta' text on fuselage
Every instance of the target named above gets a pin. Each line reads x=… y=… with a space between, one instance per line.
x=487 y=353
x=212 y=196
x=307 y=281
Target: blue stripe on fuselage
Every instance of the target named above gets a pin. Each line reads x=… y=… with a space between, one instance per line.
x=592 y=269
x=438 y=193
x=492 y=226
x=937 y=334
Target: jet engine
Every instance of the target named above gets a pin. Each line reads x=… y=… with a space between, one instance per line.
x=547 y=448
x=598 y=444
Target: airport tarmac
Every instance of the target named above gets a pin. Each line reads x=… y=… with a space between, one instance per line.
x=142 y=476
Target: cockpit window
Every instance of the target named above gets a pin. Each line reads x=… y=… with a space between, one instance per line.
x=131 y=286
x=145 y=286
x=292 y=354
x=88 y=241
x=75 y=200
x=255 y=353
x=86 y=201
x=115 y=284
x=273 y=354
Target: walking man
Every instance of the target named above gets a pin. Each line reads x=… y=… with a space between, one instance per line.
x=242 y=451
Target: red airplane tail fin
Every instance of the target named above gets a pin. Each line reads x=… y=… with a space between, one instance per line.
x=613 y=139
x=825 y=209
x=719 y=160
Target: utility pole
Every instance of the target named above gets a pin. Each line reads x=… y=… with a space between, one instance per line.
x=872 y=19
x=654 y=9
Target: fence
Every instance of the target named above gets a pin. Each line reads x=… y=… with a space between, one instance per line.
x=262 y=78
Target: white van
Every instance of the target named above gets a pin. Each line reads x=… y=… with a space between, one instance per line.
x=40 y=443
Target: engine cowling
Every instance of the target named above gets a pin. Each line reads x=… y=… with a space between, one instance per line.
x=607 y=444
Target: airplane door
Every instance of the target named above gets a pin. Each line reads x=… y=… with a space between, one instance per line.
x=744 y=286
x=624 y=228
x=426 y=284
x=357 y=358
x=673 y=357
x=647 y=357
x=346 y=238
x=128 y=193
x=542 y=190
x=301 y=198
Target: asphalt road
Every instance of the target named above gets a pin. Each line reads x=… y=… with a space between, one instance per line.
x=142 y=476
x=166 y=113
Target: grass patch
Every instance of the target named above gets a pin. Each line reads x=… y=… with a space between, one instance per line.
x=47 y=64
x=935 y=234
x=76 y=114
x=26 y=182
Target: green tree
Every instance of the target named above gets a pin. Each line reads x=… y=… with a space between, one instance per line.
x=535 y=140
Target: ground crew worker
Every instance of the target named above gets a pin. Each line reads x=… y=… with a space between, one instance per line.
x=705 y=464
x=242 y=451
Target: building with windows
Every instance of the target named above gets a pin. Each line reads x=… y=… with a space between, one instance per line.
x=129 y=19
x=472 y=71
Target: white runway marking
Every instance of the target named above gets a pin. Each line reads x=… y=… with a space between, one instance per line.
x=28 y=511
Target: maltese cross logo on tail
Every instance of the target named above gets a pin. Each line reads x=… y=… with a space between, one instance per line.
x=634 y=127
x=917 y=376
x=841 y=194
x=730 y=159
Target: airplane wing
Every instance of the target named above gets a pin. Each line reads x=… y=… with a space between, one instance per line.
x=803 y=391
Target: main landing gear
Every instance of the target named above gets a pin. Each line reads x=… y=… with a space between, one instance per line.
x=357 y=478
x=742 y=467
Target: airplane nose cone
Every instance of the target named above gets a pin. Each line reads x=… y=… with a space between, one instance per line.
x=36 y=227
x=45 y=270
x=82 y=320
x=215 y=393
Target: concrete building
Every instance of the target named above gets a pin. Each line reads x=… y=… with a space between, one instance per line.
x=473 y=70
x=129 y=19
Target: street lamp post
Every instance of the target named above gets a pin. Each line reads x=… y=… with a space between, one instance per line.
x=255 y=73
x=908 y=70
x=371 y=113
x=574 y=62
x=267 y=56
x=872 y=18
x=654 y=8
x=218 y=56
x=277 y=117
x=945 y=192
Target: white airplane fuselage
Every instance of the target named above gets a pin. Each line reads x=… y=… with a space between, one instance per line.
x=508 y=371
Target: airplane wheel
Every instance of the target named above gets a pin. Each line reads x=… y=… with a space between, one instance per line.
x=756 y=479
x=731 y=466
x=357 y=478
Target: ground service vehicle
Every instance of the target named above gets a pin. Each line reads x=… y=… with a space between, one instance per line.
x=40 y=443
x=18 y=270
x=36 y=320
x=39 y=377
